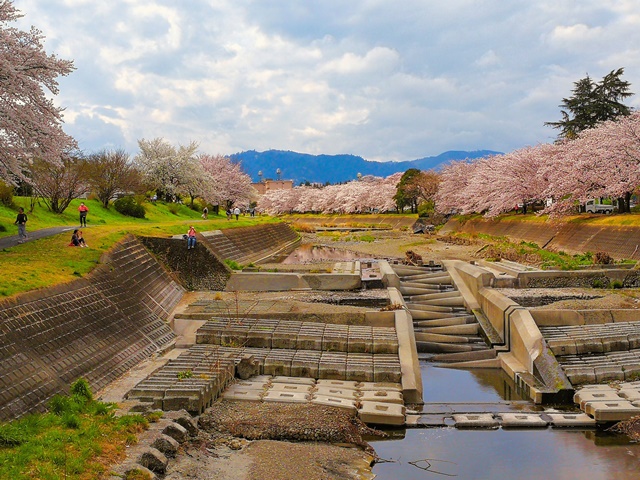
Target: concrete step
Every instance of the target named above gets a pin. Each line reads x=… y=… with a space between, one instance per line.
x=440 y=302
x=422 y=276
x=431 y=308
x=445 y=321
x=467 y=329
x=434 y=337
x=437 y=295
x=438 y=347
x=471 y=356
x=426 y=315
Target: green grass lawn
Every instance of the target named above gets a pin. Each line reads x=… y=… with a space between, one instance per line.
x=49 y=261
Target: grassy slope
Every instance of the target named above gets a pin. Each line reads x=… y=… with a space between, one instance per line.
x=49 y=261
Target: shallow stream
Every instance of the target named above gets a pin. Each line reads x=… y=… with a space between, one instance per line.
x=448 y=452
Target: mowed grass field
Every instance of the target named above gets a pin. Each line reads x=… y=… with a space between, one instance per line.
x=49 y=261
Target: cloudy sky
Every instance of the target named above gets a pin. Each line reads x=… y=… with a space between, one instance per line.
x=383 y=79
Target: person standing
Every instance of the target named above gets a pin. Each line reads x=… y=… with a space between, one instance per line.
x=191 y=238
x=21 y=221
x=205 y=213
x=236 y=212
x=83 y=209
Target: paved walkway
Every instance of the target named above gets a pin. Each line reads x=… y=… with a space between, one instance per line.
x=12 y=241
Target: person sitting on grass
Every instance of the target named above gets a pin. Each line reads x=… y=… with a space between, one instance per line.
x=77 y=240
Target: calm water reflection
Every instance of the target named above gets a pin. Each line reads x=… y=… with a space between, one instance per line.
x=499 y=454
x=508 y=454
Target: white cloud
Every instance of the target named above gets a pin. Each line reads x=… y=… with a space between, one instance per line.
x=379 y=79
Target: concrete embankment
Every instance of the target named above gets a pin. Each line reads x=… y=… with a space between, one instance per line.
x=97 y=327
x=621 y=242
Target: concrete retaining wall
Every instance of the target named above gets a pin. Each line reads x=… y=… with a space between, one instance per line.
x=524 y=355
x=97 y=327
x=621 y=242
x=256 y=244
x=195 y=269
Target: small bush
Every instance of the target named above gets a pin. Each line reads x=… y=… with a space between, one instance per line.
x=233 y=265
x=61 y=404
x=173 y=208
x=602 y=258
x=71 y=420
x=80 y=388
x=3 y=228
x=129 y=207
x=184 y=374
x=11 y=435
x=597 y=283
x=6 y=194
x=616 y=284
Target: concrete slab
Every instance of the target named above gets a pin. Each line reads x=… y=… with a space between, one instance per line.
x=290 y=387
x=571 y=420
x=343 y=403
x=425 y=421
x=477 y=420
x=336 y=392
x=382 y=413
x=295 y=380
x=383 y=396
x=611 y=411
x=337 y=383
x=243 y=395
x=582 y=397
x=286 y=397
x=630 y=394
x=261 y=386
x=522 y=420
x=364 y=386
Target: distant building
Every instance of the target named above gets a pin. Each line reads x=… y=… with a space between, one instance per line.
x=266 y=185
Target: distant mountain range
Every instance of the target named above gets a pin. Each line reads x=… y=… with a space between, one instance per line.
x=302 y=167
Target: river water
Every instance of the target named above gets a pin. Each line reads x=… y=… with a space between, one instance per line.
x=502 y=454
x=447 y=452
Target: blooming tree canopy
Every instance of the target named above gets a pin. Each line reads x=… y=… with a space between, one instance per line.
x=166 y=168
x=225 y=183
x=366 y=194
x=30 y=123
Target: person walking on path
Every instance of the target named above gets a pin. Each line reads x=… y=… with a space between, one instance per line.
x=191 y=238
x=21 y=221
x=83 y=209
x=236 y=212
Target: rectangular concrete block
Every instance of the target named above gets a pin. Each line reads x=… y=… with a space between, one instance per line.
x=323 y=391
x=580 y=375
x=249 y=395
x=611 y=411
x=290 y=387
x=364 y=386
x=522 y=420
x=382 y=413
x=571 y=420
x=286 y=397
x=476 y=420
x=383 y=396
x=630 y=394
x=294 y=380
x=608 y=373
x=562 y=346
x=583 y=396
x=344 y=403
x=338 y=384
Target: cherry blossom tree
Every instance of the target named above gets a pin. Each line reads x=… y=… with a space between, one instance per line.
x=225 y=183
x=364 y=195
x=30 y=123
x=166 y=168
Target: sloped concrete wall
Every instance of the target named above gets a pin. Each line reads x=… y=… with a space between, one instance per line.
x=97 y=327
x=621 y=242
x=253 y=244
x=196 y=269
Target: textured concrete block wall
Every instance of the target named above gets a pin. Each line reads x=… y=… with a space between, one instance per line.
x=97 y=327
x=251 y=244
x=195 y=269
x=618 y=241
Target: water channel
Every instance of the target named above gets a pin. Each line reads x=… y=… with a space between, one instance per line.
x=448 y=452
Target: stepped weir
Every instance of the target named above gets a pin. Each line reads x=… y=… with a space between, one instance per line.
x=265 y=336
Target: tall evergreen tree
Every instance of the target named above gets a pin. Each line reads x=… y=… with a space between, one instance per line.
x=593 y=103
